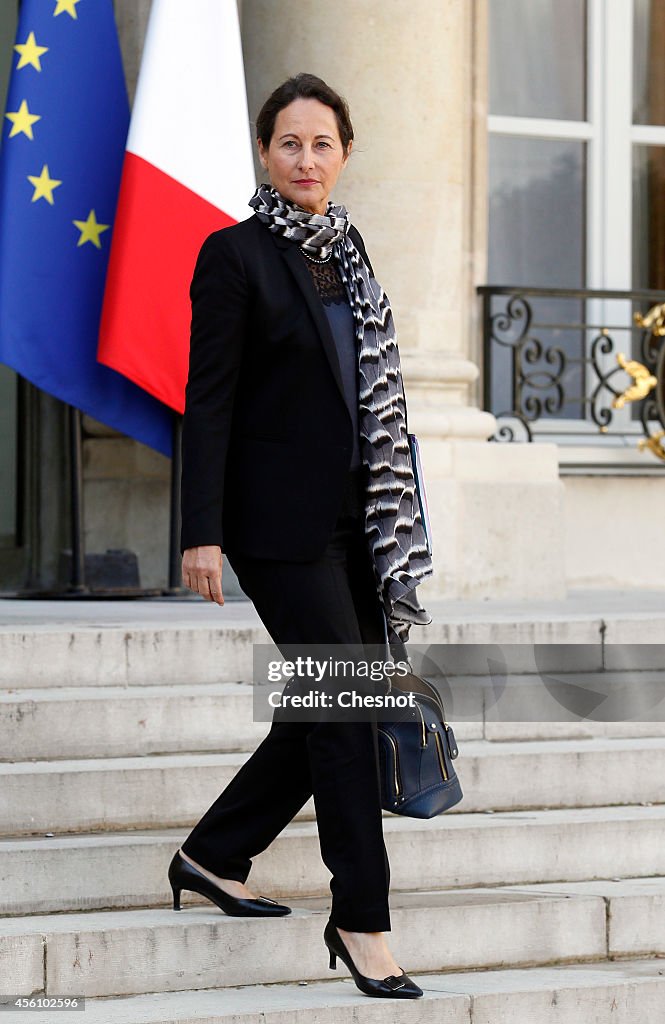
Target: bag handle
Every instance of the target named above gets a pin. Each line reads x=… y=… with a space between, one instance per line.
x=400 y=653
x=427 y=689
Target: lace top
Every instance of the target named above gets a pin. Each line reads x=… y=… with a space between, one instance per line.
x=328 y=281
x=331 y=289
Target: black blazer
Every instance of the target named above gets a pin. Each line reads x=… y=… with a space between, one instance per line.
x=267 y=435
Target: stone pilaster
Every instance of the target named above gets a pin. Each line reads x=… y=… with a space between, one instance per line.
x=416 y=186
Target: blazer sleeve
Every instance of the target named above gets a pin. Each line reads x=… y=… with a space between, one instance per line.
x=219 y=298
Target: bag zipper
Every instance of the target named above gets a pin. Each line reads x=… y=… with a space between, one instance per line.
x=422 y=725
x=398 y=787
x=439 y=750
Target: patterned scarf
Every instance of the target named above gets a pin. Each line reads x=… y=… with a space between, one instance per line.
x=393 y=521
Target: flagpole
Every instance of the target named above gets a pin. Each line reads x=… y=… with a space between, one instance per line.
x=77 y=581
x=175 y=582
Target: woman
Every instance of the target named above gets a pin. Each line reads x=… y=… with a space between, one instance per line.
x=296 y=468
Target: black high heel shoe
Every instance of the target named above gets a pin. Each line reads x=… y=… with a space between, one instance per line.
x=395 y=986
x=183 y=875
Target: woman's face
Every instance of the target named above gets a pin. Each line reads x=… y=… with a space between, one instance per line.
x=305 y=155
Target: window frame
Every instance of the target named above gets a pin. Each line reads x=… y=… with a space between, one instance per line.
x=609 y=135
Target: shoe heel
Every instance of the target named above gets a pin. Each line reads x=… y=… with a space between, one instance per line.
x=176 y=899
x=333 y=960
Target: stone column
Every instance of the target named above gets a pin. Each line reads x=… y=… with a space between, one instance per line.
x=132 y=20
x=415 y=78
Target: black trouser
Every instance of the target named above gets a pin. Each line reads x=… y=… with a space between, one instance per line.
x=331 y=600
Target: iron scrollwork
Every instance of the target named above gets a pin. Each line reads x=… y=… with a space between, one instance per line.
x=653 y=353
x=539 y=370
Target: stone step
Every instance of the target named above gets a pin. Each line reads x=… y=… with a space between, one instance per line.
x=161 y=641
x=107 y=655
x=636 y=911
x=173 y=790
x=125 y=952
x=123 y=870
x=127 y=645
x=124 y=721
x=621 y=992
x=139 y=951
x=578 y=993
x=128 y=721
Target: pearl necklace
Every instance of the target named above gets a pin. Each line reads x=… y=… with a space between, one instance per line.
x=313 y=259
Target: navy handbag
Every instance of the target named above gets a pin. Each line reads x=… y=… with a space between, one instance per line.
x=417 y=748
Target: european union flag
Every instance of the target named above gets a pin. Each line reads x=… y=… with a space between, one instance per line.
x=63 y=144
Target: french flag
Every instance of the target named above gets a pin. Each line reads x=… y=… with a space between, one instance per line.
x=187 y=171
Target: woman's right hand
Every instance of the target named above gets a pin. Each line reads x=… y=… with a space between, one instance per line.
x=202 y=571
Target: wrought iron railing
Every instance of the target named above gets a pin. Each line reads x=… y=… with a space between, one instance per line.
x=570 y=364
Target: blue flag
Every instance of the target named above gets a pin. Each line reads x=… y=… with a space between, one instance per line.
x=63 y=143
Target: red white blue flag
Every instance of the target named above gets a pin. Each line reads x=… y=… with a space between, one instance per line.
x=188 y=170
x=63 y=138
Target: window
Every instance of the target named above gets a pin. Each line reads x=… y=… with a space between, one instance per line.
x=648 y=144
x=577 y=176
x=539 y=137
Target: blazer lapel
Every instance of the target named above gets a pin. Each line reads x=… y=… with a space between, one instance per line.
x=296 y=263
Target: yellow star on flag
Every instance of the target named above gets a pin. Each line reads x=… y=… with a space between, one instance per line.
x=68 y=6
x=22 y=121
x=44 y=185
x=90 y=230
x=29 y=53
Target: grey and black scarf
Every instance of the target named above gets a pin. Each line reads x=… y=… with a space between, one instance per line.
x=393 y=521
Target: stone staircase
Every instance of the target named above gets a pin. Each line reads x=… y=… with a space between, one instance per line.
x=108 y=754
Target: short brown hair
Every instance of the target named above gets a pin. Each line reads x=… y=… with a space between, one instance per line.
x=303 y=86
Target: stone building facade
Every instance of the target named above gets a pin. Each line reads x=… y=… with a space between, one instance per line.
x=508 y=519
